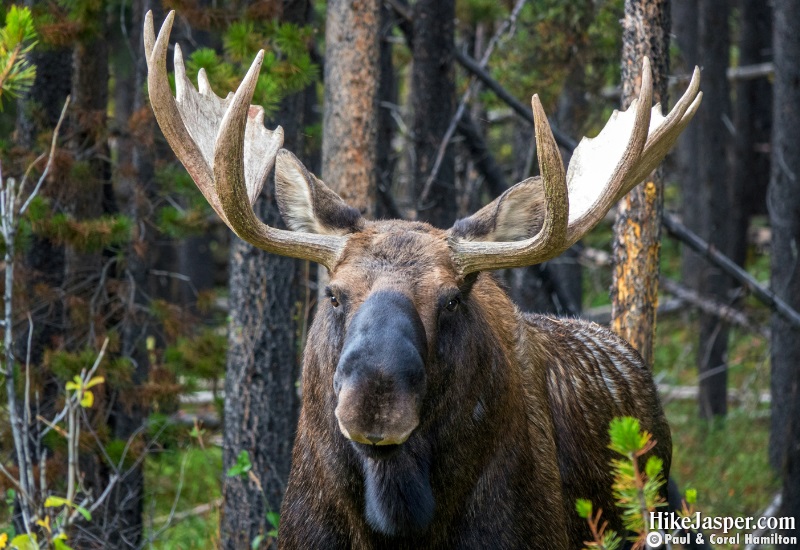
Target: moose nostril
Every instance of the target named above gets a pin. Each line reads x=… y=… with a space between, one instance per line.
x=375 y=439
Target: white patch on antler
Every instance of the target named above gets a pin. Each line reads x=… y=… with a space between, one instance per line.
x=596 y=159
x=202 y=113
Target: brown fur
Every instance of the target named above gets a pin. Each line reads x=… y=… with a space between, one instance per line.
x=513 y=422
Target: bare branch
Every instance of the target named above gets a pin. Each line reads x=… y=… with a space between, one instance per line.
x=49 y=161
x=710 y=253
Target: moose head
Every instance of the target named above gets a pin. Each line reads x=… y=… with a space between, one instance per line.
x=434 y=412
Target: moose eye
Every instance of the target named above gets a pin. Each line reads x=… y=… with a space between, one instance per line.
x=334 y=301
x=453 y=303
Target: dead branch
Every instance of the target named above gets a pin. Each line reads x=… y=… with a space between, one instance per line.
x=729 y=267
x=712 y=307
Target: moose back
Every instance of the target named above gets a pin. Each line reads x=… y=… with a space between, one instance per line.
x=435 y=414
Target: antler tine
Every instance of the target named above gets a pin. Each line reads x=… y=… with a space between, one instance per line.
x=548 y=242
x=225 y=148
x=593 y=201
x=166 y=110
x=602 y=170
x=668 y=128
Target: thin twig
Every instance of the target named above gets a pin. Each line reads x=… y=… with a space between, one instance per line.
x=49 y=159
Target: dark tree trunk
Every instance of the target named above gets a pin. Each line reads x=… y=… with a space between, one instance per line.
x=685 y=28
x=261 y=399
x=90 y=184
x=784 y=209
x=753 y=123
x=432 y=100
x=386 y=160
x=637 y=231
x=716 y=213
x=135 y=180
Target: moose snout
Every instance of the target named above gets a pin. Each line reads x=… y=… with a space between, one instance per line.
x=380 y=378
x=375 y=418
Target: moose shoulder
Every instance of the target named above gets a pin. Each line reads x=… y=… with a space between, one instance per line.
x=434 y=413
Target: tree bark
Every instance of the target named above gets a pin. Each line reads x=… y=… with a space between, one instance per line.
x=432 y=99
x=685 y=28
x=261 y=399
x=637 y=231
x=753 y=117
x=784 y=209
x=717 y=215
x=350 y=122
x=135 y=179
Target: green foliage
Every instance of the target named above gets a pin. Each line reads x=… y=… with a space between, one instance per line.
x=91 y=235
x=552 y=39
x=287 y=66
x=636 y=492
x=17 y=39
x=201 y=355
x=242 y=466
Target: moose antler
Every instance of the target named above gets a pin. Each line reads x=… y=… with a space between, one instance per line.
x=225 y=148
x=602 y=170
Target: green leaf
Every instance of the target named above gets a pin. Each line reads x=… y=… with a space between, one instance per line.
x=691 y=496
x=274 y=519
x=24 y=542
x=242 y=466
x=59 y=544
x=626 y=435
x=584 y=507
x=54 y=501
x=653 y=467
x=256 y=542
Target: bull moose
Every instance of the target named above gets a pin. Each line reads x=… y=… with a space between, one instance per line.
x=434 y=413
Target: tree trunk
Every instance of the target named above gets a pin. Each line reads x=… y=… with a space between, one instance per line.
x=637 y=231
x=261 y=399
x=135 y=180
x=350 y=122
x=716 y=213
x=784 y=209
x=753 y=123
x=386 y=159
x=432 y=98
x=685 y=27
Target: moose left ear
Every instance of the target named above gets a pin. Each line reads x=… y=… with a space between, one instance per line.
x=307 y=205
x=515 y=215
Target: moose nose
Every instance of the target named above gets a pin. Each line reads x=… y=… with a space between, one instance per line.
x=375 y=439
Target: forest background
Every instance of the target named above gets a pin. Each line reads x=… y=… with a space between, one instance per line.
x=151 y=359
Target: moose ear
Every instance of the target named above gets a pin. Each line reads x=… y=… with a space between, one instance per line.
x=308 y=205
x=515 y=215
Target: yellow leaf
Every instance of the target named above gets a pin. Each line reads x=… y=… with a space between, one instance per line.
x=94 y=381
x=87 y=400
x=44 y=524
x=72 y=386
x=3 y=540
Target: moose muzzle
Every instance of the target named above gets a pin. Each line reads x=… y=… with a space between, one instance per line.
x=380 y=378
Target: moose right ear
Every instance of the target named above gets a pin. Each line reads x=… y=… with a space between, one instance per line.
x=307 y=205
